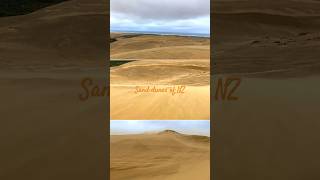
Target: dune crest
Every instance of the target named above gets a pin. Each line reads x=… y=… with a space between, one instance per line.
x=165 y=155
x=141 y=46
x=170 y=132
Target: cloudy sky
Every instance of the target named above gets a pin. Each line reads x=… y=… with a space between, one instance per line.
x=171 y=16
x=199 y=127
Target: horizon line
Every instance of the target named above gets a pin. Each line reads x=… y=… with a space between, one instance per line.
x=165 y=33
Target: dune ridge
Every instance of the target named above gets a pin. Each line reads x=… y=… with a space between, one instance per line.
x=141 y=46
x=266 y=39
x=164 y=155
x=285 y=7
x=266 y=44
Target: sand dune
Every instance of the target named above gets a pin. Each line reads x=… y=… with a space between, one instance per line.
x=271 y=131
x=46 y=131
x=162 y=72
x=176 y=52
x=167 y=155
x=192 y=75
x=266 y=38
x=160 y=62
x=55 y=35
x=139 y=46
x=283 y=7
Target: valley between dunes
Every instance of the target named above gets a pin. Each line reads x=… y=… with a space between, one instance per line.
x=167 y=155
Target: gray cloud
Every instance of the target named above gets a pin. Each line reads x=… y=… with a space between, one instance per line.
x=161 y=9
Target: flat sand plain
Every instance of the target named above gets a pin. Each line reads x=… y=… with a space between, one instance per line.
x=166 y=155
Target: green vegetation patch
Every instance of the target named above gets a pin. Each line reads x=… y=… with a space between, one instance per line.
x=114 y=63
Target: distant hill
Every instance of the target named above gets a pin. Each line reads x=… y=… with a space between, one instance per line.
x=20 y=7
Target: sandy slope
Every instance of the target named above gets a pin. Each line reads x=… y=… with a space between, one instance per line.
x=56 y=36
x=46 y=131
x=138 y=46
x=262 y=36
x=167 y=155
x=162 y=61
x=271 y=132
x=193 y=103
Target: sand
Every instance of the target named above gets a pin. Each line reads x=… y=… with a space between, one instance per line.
x=254 y=38
x=129 y=80
x=271 y=132
x=160 y=62
x=46 y=131
x=141 y=46
x=167 y=155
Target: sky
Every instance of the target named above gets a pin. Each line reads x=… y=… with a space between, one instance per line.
x=171 y=16
x=197 y=127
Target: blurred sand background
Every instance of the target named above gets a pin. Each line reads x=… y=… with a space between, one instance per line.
x=160 y=61
x=271 y=132
x=46 y=131
x=166 y=155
